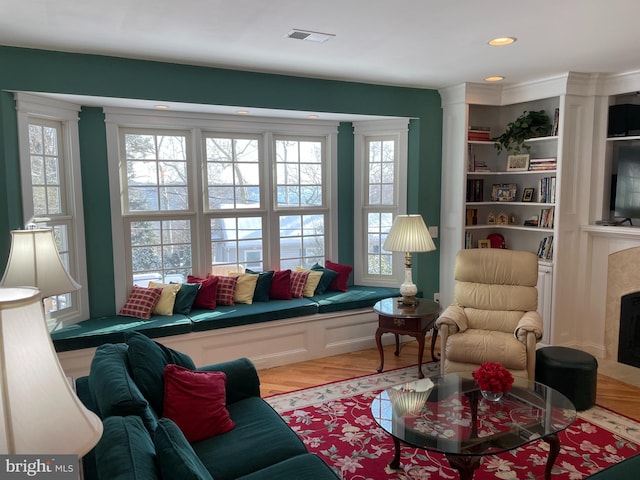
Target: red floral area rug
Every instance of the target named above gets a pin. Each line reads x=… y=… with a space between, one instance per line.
x=335 y=422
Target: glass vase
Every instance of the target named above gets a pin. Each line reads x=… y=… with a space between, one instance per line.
x=491 y=396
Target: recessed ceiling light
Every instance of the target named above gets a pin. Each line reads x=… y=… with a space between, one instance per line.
x=494 y=78
x=242 y=112
x=162 y=107
x=502 y=41
x=309 y=36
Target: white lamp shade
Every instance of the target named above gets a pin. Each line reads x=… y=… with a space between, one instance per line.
x=39 y=411
x=409 y=233
x=34 y=262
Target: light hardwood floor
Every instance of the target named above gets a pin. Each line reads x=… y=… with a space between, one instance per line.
x=611 y=393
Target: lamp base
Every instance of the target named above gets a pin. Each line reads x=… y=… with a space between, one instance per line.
x=411 y=301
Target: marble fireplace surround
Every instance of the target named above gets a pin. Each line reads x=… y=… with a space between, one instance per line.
x=623 y=277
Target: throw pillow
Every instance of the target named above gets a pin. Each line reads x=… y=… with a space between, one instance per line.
x=328 y=276
x=176 y=457
x=298 y=281
x=206 y=296
x=312 y=281
x=196 y=402
x=281 y=285
x=261 y=293
x=341 y=282
x=245 y=287
x=226 y=290
x=125 y=450
x=147 y=360
x=167 y=297
x=141 y=302
x=185 y=297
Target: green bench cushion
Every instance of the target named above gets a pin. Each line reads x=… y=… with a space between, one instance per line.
x=307 y=466
x=355 y=297
x=244 y=314
x=260 y=439
x=98 y=331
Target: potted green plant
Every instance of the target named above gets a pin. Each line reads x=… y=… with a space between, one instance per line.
x=532 y=123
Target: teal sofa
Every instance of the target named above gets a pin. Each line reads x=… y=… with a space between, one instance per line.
x=112 y=329
x=125 y=388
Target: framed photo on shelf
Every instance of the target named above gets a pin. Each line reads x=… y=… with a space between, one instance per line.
x=518 y=163
x=527 y=194
x=484 y=243
x=504 y=192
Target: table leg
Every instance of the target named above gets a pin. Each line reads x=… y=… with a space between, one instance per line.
x=554 y=449
x=420 y=338
x=434 y=336
x=466 y=465
x=397 y=352
x=380 y=350
x=395 y=463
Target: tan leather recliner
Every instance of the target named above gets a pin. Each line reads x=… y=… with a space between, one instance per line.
x=493 y=318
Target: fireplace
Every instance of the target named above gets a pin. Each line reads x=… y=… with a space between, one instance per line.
x=629 y=336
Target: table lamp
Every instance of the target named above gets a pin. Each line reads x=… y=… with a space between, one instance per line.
x=39 y=409
x=408 y=234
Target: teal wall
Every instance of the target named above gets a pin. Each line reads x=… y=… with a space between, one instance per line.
x=57 y=72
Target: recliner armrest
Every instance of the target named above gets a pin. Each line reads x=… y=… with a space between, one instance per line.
x=242 y=378
x=454 y=318
x=530 y=322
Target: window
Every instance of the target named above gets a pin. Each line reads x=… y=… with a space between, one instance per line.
x=202 y=198
x=381 y=157
x=50 y=166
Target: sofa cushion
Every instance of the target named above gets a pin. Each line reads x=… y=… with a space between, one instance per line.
x=328 y=276
x=176 y=457
x=245 y=287
x=313 y=279
x=195 y=401
x=306 y=466
x=341 y=282
x=147 y=360
x=167 y=297
x=141 y=302
x=208 y=293
x=125 y=450
x=275 y=443
x=226 y=290
x=114 y=391
x=281 y=285
x=224 y=316
x=355 y=297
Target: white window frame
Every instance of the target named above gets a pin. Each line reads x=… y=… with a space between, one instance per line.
x=35 y=107
x=398 y=129
x=200 y=124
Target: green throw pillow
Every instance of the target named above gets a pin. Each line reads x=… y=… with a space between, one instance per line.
x=185 y=297
x=147 y=360
x=328 y=276
x=114 y=391
x=176 y=458
x=263 y=285
x=125 y=450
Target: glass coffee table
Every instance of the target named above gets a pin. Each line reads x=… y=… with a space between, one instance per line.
x=447 y=414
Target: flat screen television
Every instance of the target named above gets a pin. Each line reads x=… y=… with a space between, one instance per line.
x=626 y=195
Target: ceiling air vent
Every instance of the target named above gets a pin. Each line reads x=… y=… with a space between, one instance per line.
x=309 y=36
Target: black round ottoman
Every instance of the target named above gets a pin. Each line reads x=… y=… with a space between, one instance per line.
x=571 y=372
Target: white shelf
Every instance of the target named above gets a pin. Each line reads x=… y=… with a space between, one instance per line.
x=522 y=204
x=508 y=227
x=480 y=173
x=622 y=139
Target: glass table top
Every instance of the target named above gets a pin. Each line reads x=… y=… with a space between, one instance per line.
x=447 y=414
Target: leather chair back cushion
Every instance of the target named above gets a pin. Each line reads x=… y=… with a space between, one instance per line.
x=496 y=320
x=495 y=297
x=497 y=266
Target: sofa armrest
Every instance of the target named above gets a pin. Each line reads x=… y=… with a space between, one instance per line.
x=455 y=319
x=242 y=378
x=531 y=322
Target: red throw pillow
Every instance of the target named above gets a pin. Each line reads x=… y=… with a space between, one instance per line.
x=281 y=285
x=226 y=290
x=341 y=282
x=141 y=302
x=298 y=281
x=196 y=402
x=206 y=296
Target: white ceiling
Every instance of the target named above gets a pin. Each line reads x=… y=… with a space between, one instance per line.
x=418 y=43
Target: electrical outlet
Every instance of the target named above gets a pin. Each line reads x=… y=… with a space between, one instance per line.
x=436 y=297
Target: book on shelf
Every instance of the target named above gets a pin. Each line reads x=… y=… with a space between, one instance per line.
x=556 y=121
x=479 y=133
x=472 y=216
x=545 y=249
x=468 y=240
x=546 y=218
x=543 y=163
x=475 y=189
x=547 y=190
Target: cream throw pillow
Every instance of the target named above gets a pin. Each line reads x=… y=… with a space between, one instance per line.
x=312 y=281
x=167 y=297
x=245 y=287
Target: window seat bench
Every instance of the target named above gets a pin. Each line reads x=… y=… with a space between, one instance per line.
x=270 y=333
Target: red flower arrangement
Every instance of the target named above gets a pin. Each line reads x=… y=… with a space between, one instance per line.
x=493 y=377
